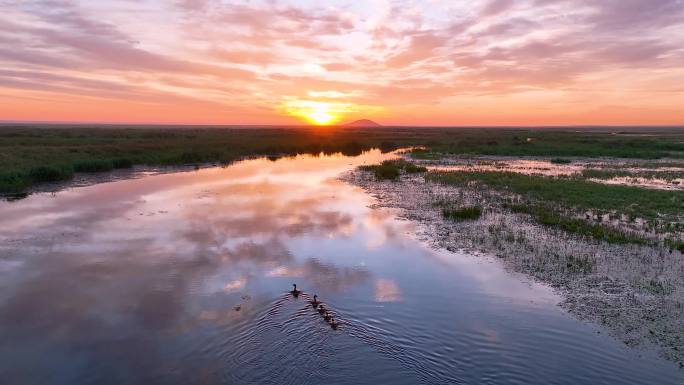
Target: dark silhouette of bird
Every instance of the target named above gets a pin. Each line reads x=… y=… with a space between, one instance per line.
x=295 y=293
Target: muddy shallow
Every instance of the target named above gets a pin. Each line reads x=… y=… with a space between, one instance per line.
x=182 y=278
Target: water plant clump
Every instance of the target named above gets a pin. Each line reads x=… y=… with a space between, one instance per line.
x=551 y=218
x=462 y=213
x=383 y=171
x=675 y=244
x=391 y=169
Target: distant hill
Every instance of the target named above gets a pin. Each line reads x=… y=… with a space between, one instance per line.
x=363 y=123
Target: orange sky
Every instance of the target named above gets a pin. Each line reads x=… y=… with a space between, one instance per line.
x=496 y=62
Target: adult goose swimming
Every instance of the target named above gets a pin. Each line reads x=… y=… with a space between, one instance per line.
x=315 y=302
x=295 y=293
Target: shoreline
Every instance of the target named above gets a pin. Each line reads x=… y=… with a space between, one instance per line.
x=620 y=289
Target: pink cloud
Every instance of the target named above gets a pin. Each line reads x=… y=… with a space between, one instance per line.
x=250 y=56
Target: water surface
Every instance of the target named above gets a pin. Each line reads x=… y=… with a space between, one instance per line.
x=182 y=279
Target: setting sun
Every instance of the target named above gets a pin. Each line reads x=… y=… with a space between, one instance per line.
x=315 y=112
x=320 y=116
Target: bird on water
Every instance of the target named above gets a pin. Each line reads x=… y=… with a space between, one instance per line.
x=294 y=291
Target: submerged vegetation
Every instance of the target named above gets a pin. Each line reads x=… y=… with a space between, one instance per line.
x=69 y=149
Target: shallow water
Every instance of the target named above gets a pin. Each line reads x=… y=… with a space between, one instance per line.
x=182 y=279
x=548 y=168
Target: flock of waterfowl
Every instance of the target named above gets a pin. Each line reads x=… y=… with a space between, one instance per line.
x=317 y=305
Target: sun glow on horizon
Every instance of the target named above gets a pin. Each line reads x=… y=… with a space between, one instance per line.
x=320 y=116
x=314 y=112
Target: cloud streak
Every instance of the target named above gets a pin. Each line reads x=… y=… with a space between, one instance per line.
x=408 y=62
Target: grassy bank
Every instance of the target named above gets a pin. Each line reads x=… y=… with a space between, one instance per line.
x=30 y=153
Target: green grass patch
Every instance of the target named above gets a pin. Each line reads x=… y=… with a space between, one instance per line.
x=675 y=244
x=94 y=165
x=391 y=169
x=49 y=173
x=12 y=182
x=551 y=218
x=426 y=154
x=666 y=175
x=414 y=169
x=462 y=213
x=604 y=174
x=573 y=192
x=122 y=163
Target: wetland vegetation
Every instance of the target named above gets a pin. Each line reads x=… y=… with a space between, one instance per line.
x=612 y=246
x=32 y=154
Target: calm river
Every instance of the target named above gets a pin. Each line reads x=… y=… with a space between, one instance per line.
x=183 y=278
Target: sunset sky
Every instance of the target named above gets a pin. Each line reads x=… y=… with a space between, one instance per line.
x=458 y=62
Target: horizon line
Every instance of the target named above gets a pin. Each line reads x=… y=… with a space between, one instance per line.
x=133 y=124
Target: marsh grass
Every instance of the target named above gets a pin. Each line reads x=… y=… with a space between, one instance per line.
x=551 y=218
x=50 y=173
x=414 y=169
x=559 y=144
x=122 y=163
x=675 y=244
x=610 y=174
x=13 y=182
x=93 y=165
x=579 y=265
x=391 y=169
x=24 y=147
x=462 y=213
x=573 y=192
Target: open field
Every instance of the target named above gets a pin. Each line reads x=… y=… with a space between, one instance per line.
x=37 y=153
